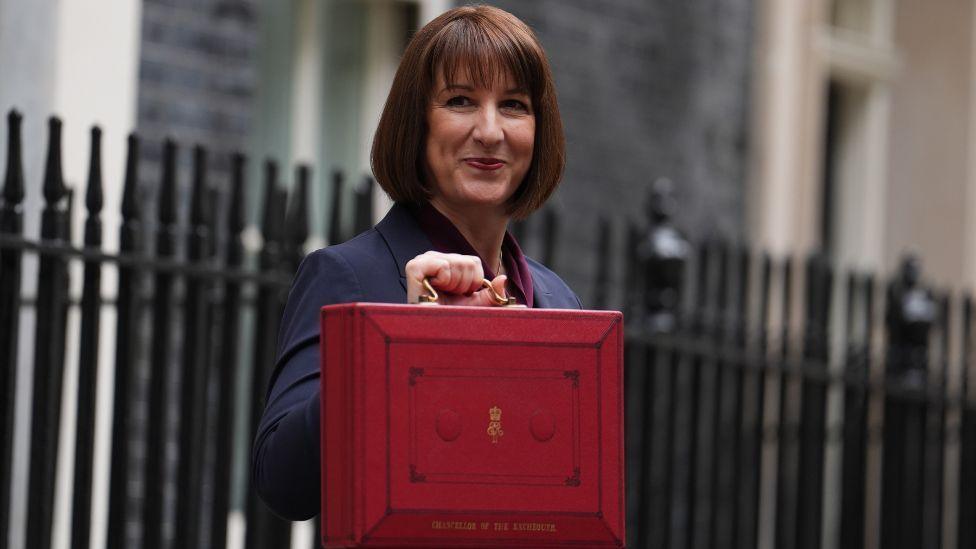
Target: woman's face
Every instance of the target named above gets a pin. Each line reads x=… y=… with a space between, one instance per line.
x=479 y=142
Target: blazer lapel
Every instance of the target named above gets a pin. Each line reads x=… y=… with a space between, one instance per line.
x=403 y=237
x=541 y=294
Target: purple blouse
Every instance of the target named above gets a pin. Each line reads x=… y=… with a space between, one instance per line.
x=445 y=238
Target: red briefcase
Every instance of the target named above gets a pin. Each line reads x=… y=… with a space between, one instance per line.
x=471 y=427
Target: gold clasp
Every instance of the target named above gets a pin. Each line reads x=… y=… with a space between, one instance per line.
x=431 y=297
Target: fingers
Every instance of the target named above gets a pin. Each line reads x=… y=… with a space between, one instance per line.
x=483 y=297
x=451 y=273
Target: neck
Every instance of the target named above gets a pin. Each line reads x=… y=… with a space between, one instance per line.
x=482 y=227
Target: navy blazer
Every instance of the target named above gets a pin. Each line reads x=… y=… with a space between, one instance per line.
x=368 y=268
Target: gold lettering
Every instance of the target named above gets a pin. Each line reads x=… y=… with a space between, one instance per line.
x=452 y=525
x=548 y=527
x=534 y=527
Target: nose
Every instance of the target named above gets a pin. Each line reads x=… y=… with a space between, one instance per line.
x=488 y=127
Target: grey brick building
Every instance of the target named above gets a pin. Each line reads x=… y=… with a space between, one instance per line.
x=647 y=90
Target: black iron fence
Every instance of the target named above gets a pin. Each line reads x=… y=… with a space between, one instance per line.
x=186 y=327
x=769 y=403
x=787 y=404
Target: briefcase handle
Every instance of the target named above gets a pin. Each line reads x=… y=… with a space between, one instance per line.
x=431 y=297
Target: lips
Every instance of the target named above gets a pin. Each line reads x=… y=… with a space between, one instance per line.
x=485 y=163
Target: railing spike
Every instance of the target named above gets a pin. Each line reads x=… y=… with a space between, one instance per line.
x=237 y=216
x=335 y=218
x=297 y=215
x=199 y=209
x=54 y=189
x=93 y=194
x=13 y=184
x=167 y=191
x=270 y=196
x=277 y=231
x=130 y=200
x=363 y=212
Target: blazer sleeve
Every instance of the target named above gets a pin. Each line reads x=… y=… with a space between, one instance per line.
x=285 y=458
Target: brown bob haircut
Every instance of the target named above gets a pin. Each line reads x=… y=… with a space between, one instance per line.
x=482 y=43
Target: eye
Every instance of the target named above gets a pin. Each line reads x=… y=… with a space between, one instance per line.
x=458 y=101
x=515 y=104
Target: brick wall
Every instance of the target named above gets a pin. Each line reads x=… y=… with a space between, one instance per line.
x=646 y=89
x=197 y=82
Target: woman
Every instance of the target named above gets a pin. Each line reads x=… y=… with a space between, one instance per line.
x=470 y=138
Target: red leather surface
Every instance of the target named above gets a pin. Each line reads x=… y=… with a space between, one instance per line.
x=411 y=398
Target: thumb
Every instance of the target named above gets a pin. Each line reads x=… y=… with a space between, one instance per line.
x=499 y=285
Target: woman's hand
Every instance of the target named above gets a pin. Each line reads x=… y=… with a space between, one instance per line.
x=457 y=276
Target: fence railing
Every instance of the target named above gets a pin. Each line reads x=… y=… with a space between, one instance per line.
x=769 y=403
x=786 y=405
x=187 y=327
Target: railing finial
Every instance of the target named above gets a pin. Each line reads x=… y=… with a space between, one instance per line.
x=130 y=200
x=13 y=183
x=93 y=194
x=270 y=198
x=335 y=217
x=297 y=215
x=199 y=208
x=54 y=189
x=167 y=190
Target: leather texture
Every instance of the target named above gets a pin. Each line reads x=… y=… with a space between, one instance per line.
x=471 y=427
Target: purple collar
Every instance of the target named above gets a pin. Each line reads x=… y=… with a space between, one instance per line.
x=445 y=238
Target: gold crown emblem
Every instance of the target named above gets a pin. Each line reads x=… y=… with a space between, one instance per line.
x=495 y=413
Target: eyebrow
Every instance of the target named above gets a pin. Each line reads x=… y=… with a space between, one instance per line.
x=465 y=87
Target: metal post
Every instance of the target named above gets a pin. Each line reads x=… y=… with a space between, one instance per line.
x=88 y=355
x=967 y=438
x=160 y=373
x=687 y=417
x=909 y=315
x=601 y=280
x=11 y=223
x=658 y=272
x=787 y=459
x=297 y=218
x=130 y=243
x=48 y=353
x=727 y=412
x=855 y=430
x=335 y=235
x=227 y=365
x=195 y=369
x=813 y=402
x=753 y=440
x=934 y=442
x=363 y=205
x=264 y=529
